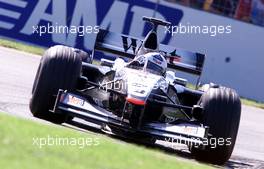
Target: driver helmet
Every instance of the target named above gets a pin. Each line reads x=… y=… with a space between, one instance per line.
x=156 y=63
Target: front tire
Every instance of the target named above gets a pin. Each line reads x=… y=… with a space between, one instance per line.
x=59 y=68
x=222 y=109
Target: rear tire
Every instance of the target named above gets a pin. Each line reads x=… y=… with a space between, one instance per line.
x=222 y=109
x=59 y=68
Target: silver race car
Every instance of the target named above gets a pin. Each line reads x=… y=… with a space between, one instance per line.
x=138 y=94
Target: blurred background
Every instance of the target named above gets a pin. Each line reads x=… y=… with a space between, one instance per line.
x=233 y=59
x=250 y=11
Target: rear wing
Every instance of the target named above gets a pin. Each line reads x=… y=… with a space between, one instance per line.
x=183 y=60
x=127 y=46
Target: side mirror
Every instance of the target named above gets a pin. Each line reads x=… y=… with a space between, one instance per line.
x=106 y=62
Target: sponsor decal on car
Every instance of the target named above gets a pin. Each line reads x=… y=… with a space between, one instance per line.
x=75 y=101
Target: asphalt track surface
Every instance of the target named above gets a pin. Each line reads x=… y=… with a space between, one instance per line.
x=17 y=72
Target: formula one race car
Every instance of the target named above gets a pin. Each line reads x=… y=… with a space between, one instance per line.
x=138 y=93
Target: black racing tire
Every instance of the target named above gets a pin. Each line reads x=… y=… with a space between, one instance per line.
x=59 y=68
x=222 y=109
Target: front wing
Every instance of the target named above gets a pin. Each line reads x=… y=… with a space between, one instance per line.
x=77 y=106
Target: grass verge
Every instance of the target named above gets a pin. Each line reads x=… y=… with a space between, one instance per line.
x=40 y=51
x=244 y=101
x=22 y=47
x=252 y=103
x=19 y=149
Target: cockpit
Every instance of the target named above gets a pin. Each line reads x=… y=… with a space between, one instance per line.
x=152 y=62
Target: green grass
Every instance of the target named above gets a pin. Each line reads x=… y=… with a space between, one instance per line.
x=244 y=101
x=252 y=103
x=18 y=150
x=40 y=51
x=21 y=47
